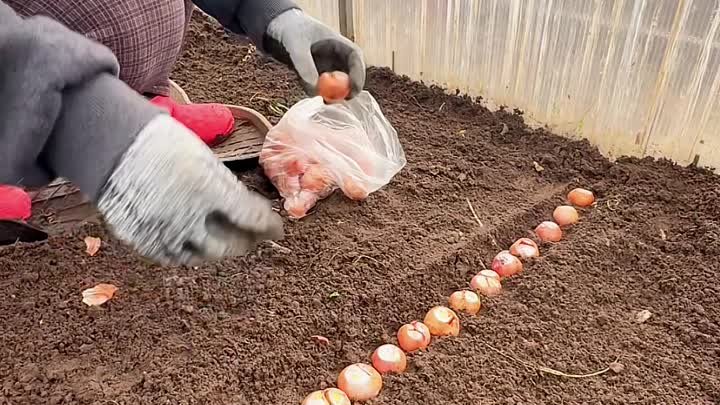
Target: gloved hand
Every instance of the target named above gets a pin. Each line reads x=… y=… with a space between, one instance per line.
x=174 y=202
x=66 y=114
x=312 y=48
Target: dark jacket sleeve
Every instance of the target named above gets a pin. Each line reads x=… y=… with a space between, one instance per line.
x=64 y=111
x=246 y=17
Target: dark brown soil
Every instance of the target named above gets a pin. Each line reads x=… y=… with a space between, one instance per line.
x=239 y=331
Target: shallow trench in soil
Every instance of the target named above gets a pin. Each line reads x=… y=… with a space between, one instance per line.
x=240 y=331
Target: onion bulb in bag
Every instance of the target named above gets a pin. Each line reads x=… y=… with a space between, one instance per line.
x=353 y=189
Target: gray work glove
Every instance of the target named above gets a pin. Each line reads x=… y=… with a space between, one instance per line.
x=312 y=48
x=174 y=202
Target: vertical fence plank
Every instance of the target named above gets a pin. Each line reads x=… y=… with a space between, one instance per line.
x=327 y=11
x=345 y=8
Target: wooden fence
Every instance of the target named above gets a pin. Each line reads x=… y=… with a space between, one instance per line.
x=635 y=77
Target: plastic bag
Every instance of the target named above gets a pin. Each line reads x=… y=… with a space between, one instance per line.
x=317 y=148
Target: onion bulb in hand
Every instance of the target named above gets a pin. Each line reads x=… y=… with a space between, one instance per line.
x=465 y=301
x=414 y=336
x=442 y=321
x=549 y=231
x=389 y=359
x=487 y=283
x=330 y=396
x=333 y=87
x=581 y=197
x=525 y=248
x=506 y=265
x=360 y=382
x=565 y=215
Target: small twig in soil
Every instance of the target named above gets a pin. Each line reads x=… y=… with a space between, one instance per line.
x=612 y=204
x=668 y=280
x=548 y=370
x=417 y=102
x=334 y=255
x=357 y=259
x=312 y=261
x=275 y=110
x=441 y=106
x=492 y=238
x=474 y=213
x=279 y=247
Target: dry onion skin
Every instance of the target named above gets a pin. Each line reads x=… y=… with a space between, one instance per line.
x=465 y=301
x=506 y=265
x=487 y=283
x=581 y=197
x=414 y=336
x=360 y=382
x=330 y=396
x=389 y=359
x=442 y=321
x=565 y=215
x=525 y=248
x=549 y=231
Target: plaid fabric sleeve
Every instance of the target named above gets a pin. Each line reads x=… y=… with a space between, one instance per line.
x=246 y=17
x=64 y=113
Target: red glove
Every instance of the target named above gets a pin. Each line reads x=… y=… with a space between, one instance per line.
x=15 y=203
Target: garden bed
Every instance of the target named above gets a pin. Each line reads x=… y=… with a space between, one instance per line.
x=240 y=331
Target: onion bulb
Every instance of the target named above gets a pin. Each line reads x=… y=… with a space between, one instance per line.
x=487 y=283
x=506 y=265
x=360 y=382
x=389 y=359
x=581 y=197
x=333 y=87
x=549 y=231
x=330 y=396
x=524 y=248
x=442 y=321
x=414 y=336
x=565 y=215
x=354 y=189
x=465 y=301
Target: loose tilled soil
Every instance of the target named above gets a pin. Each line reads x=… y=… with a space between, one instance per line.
x=239 y=331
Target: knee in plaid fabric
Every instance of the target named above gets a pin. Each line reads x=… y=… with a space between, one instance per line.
x=145 y=35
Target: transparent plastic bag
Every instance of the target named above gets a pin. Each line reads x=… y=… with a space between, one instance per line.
x=317 y=148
